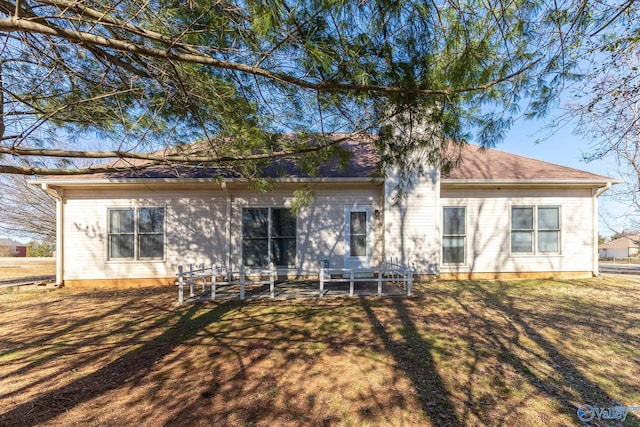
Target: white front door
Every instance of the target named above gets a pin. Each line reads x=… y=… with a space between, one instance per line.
x=358 y=241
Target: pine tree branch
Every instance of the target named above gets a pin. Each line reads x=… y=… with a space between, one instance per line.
x=81 y=37
x=167 y=156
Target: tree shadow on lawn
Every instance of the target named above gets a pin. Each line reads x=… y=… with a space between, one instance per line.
x=40 y=348
x=495 y=347
x=489 y=323
x=222 y=363
x=414 y=358
x=134 y=364
x=570 y=388
x=40 y=344
x=295 y=363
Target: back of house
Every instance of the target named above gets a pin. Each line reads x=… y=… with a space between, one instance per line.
x=495 y=215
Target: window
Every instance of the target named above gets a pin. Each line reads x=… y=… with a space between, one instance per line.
x=522 y=230
x=268 y=234
x=453 y=235
x=548 y=229
x=136 y=233
x=283 y=237
x=358 y=233
x=535 y=229
x=358 y=228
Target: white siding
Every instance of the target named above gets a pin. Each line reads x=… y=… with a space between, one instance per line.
x=488 y=229
x=197 y=224
x=194 y=222
x=320 y=226
x=410 y=221
x=618 y=252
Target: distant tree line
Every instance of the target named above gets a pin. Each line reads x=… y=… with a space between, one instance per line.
x=40 y=249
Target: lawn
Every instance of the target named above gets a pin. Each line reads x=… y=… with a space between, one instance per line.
x=458 y=353
x=24 y=268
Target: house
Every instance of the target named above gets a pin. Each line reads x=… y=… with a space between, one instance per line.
x=11 y=248
x=496 y=215
x=624 y=247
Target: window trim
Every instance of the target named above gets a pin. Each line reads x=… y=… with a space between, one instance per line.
x=354 y=235
x=136 y=235
x=531 y=231
x=270 y=236
x=536 y=230
x=464 y=236
x=363 y=261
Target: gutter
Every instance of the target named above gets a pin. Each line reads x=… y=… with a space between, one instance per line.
x=59 y=196
x=594 y=218
x=601 y=190
x=607 y=182
x=77 y=182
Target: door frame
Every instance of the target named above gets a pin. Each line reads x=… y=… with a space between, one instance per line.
x=359 y=261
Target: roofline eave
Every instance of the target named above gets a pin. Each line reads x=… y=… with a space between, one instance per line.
x=528 y=181
x=84 y=182
x=448 y=182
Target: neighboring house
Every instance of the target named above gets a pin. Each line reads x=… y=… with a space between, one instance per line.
x=624 y=247
x=11 y=248
x=496 y=215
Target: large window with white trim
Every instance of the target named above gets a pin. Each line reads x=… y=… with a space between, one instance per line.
x=136 y=233
x=535 y=229
x=268 y=235
x=454 y=235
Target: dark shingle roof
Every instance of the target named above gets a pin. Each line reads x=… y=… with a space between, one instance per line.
x=490 y=164
x=476 y=164
x=362 y=163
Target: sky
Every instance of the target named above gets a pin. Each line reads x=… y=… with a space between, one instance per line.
x=531 y=138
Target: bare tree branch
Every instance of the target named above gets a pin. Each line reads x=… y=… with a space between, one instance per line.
x=26 y=210
x=621 y=9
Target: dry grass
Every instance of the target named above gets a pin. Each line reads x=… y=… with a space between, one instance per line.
x=21 y=268
x=459 y=353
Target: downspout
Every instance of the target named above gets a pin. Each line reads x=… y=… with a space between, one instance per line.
x=596 y=255
x=382 y=237
x=59 y=196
